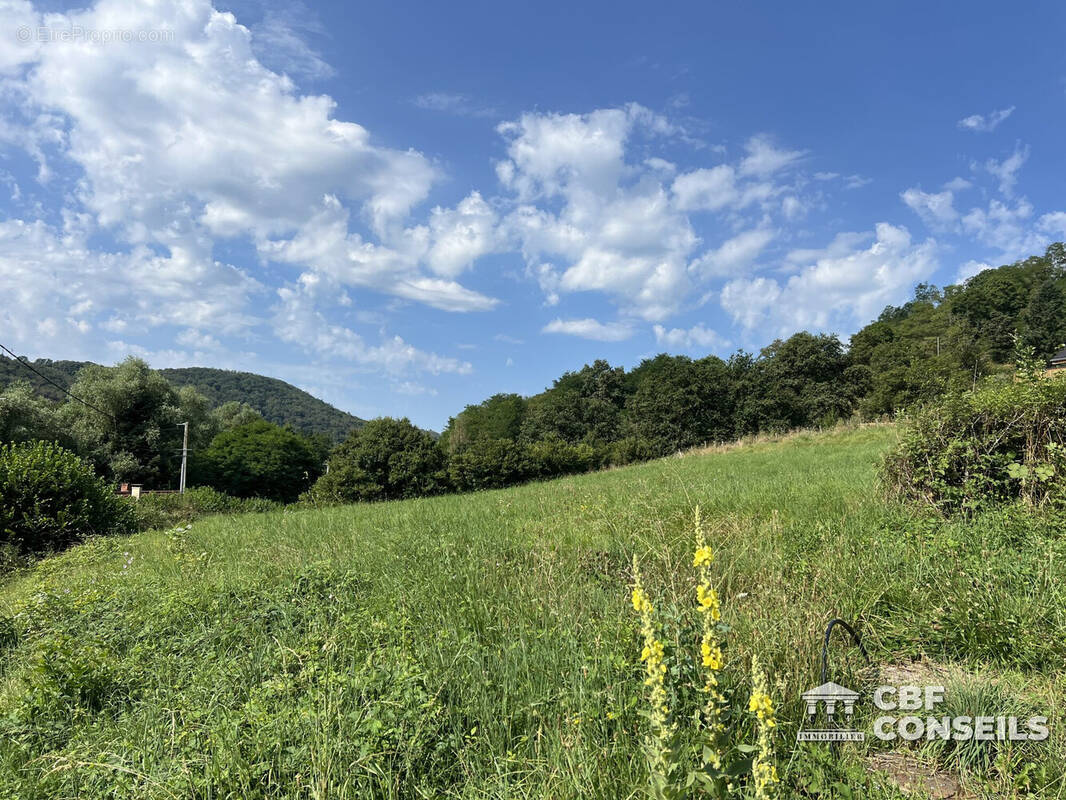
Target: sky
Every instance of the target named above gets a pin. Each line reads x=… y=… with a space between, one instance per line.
x=405 y=208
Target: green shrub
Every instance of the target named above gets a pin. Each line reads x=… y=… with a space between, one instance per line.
x=553 y=457
x=1000 y=443
x=260 y=459
x=50 y=498
x=489 y=464
x=387 y=459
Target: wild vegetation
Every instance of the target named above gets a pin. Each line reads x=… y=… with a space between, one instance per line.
x=486 y=645
x=50 y=498
x=1004 y=441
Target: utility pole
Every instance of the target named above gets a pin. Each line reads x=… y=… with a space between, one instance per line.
x=184 y=457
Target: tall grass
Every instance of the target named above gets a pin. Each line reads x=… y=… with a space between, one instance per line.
x=483 y=646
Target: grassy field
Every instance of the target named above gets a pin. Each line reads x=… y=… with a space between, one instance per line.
x=484 y=646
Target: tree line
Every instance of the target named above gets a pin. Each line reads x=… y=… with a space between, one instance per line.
x=599 y=415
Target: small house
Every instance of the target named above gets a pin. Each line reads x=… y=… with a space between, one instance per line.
x=1058 y=363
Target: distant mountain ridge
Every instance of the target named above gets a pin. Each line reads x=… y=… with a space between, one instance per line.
x=278 y=401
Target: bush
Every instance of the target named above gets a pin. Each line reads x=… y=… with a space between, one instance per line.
x=489 y=464
x=1001 y=443
x=387 y=459
x=167 y=510
x=552 y=457
x=50 y=498
x=259 y=459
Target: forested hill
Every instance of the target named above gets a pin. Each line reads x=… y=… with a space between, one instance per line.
x=278 y=401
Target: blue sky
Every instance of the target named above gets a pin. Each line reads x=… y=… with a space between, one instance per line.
x=405 y=208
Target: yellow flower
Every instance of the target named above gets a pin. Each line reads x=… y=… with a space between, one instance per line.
x=763 y=708
x=704 y=556
x=641 y=603
x=712 y=656
x=763 y=770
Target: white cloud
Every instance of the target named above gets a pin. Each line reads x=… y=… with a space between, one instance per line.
x=462 y=235
x=588 y=218
x=590 y=329
x=579 y=203
x=735 y=255
x=279 y=42
x=937 y=210
x=190 y=337
x=707 y=189
x=184 y=142
x=452 y=103
x=982 y=123
x=299 y=321
x=57 y=289
x=764 y=158
x=1006 y=171
x=847 y=283
x=692 y=338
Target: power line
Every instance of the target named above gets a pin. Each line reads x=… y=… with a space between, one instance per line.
x=61 y=388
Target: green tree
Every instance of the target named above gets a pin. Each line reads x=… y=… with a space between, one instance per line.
x=1044 y=319
x=680 y=403
x=259 y=459
x=798 y=382
x=499 y=417
x=132 y=431
x=489 y=464
x=387 y=459
x=25 y=416
x=233 y=413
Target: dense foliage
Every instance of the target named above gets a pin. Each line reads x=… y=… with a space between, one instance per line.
x=50 y=498
x=259 y=459
x=387 y=459
x=1005 y=441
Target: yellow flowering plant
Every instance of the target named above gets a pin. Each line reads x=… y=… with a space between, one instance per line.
x=701 y=693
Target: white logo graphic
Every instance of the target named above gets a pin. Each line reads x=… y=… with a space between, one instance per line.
x=839 y=703
x=835 y=698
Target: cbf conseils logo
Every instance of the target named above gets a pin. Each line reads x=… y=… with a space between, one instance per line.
x=839 y=702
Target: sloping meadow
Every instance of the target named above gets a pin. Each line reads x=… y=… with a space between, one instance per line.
x=485 y=645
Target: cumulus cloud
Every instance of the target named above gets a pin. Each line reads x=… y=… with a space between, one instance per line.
x=735 y=255
x=985 y=123
x=696 y=337
x=589 y=217
x=180 y=143
x=937 y=210
x=611 y=227
x=836 y=289
x=589 y=328
x=299 y=321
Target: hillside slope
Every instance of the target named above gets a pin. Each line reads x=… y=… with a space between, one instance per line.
x=484 y=646
x=278 y=401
